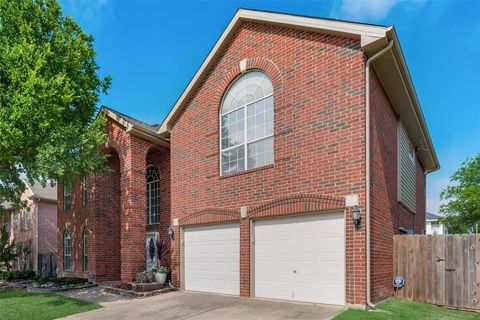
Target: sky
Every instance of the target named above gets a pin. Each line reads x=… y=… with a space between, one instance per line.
x=153 y=48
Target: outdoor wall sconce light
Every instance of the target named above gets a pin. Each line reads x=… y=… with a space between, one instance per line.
x=357 y=218
x=171 y=233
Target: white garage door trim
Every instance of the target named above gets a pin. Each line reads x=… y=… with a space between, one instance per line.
x=211 y=258
x=300 y=258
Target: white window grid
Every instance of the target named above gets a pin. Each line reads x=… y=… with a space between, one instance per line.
x=67 y=198
x=153 y=195
x=16 y=220
x=257 y=131
x=85 y=249
x=84 y=191
x=27 y=221
x=67 y=251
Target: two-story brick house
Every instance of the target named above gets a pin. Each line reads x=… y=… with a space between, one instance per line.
x=293 y=156
x=33 y=225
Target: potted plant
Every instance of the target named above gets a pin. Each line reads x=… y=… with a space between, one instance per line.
x=161 y=274
x=161 y=271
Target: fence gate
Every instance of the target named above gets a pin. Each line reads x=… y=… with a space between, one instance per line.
x=47 y=264
x=438 y=269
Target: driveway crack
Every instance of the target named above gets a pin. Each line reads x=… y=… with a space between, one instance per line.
x=207 y=310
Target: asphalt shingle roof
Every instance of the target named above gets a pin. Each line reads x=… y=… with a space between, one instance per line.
x=44 y=193
x=151 y=127
x=431 y=216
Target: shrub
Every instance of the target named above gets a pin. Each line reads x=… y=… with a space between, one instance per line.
x=18 y=274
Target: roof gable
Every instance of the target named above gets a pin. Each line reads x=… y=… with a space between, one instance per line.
x=135 y=127
x=391 y=69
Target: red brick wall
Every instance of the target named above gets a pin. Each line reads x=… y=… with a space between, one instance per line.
x=319 y=140
x=387 y=214
x=160 y=157
x=75 y=220
x=116 y=211
x=106 y=235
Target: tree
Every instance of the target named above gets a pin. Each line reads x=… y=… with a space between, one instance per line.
x=49 y=89
x=7 y=249
x=24 y=254
x=462 y=212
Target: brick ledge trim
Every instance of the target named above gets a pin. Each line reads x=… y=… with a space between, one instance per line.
x=291 y=204
x=210 y=215
x=297 y=203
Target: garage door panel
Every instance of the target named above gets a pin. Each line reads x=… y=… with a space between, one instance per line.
x=301 y=258
x=211 y=258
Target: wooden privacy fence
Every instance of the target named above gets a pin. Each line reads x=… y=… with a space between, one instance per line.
x=438 y=269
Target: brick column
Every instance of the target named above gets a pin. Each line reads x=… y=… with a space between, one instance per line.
x=133 y=220
x=245 y=258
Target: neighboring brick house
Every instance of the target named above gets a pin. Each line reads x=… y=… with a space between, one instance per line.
x=34 y=225
x=292 y=127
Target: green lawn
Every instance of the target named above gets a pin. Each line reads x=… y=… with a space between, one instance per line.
x=20 y=305
x=399 y=309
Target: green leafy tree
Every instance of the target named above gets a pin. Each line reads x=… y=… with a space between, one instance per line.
x=24 y=252
x=7 y=249
x=462 y=211
x=49 y=89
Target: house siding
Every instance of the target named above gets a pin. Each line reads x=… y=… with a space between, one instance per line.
x=387 y=214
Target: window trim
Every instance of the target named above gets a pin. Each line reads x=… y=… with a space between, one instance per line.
x=84 y=191
x=246 y=142
x=26 y=217
x=65 y=195
x=16 y=223
x=85 y=250
x=65 y=233
x=149 y=200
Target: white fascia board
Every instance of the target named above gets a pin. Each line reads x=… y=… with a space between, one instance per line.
x=405 y=74
x=367 y=33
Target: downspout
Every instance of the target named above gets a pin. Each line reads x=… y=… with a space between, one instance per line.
x=367 y=164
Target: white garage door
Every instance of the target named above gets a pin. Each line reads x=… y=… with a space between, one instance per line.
x=301 y=258
x=212 y=256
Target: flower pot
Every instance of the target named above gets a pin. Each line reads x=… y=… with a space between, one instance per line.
x=160 y=277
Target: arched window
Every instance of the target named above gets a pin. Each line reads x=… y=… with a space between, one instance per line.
x=85 y=249
x=153 y=195
x=246 y=124
x=67 y=250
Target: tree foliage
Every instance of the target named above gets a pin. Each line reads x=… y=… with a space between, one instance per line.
x=7 y=249
x=462 y=211
x=49 y=89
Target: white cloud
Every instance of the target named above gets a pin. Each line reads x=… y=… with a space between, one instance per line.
x=368 y=9
x=95 y=11
x=363 y=9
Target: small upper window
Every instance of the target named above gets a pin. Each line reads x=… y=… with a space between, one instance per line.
x=85 y=249
x=67 y=250
x=67 y=198
x=153 y=195
x=84 y=191
x=16 y=220
x=246 y=124
x=27 y=220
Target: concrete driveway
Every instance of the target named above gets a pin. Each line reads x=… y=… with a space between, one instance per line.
x=200 y=306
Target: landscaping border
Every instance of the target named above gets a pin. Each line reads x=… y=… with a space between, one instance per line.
x=134 y=294
x=53 y=290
